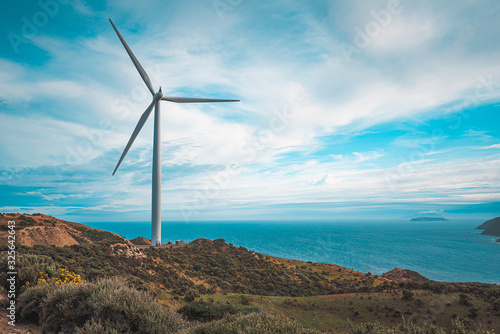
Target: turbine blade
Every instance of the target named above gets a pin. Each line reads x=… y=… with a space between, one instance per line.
x=137 y=129
x=177 y=99
x=138 y=65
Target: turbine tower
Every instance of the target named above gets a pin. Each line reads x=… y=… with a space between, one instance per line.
x=157 y=97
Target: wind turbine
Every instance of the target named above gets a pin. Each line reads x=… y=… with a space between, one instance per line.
x=157 y=97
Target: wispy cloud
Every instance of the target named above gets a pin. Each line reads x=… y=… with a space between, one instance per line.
x=490 y=147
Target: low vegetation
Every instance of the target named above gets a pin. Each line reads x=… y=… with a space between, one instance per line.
x=111 y=306
x=253 y=323
x=205 y=311
x=108 y=286
x=205 y=267
x=93 y=307
x=208 y=283
x=458 y=327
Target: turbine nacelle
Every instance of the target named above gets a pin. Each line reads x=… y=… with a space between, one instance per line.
x=158 y=95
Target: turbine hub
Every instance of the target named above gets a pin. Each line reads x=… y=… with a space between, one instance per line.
x=158 y=95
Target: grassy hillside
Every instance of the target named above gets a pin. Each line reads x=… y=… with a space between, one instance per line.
x=334 y=312
x=208 y=279
x=320 y=296
x=203 y=266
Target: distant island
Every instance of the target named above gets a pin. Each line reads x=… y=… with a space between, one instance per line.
x=428 y=219
x=491 y=227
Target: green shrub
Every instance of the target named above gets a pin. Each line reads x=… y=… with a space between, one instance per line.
x=465 y=326
x=407 y=295
x=464 y=299
x=206 y=311
x=66 y=308
x=28 y=268
x=97 y=327
x=87 y=308
x=128 y=309
x=460 y=326
x=495 y=304
x=191 y=295
x=473 y=311
x=403 y=327
x=29 y=304
x=245 y=300
x=257 y=322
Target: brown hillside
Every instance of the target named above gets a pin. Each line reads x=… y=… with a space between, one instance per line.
x=45 y=235
x=402 y=275
x=40 y=229
x=141 y=241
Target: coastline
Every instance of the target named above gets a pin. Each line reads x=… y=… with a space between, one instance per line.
x=361 y=249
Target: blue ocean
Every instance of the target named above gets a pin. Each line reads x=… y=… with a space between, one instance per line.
x=443 y=251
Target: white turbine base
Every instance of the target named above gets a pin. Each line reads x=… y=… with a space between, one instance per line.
x=156 y=181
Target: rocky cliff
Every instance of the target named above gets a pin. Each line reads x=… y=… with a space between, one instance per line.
x=491 y=227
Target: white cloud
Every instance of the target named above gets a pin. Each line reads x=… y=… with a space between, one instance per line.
x=421 y=66
x=490 y=147
x=357 y=157
x=360 y=157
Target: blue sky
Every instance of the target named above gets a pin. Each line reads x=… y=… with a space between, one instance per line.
x=349 y=109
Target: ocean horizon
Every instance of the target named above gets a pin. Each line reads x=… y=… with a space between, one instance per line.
x=439 y=250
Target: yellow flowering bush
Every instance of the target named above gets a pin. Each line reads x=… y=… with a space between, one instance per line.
x=65 y=277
